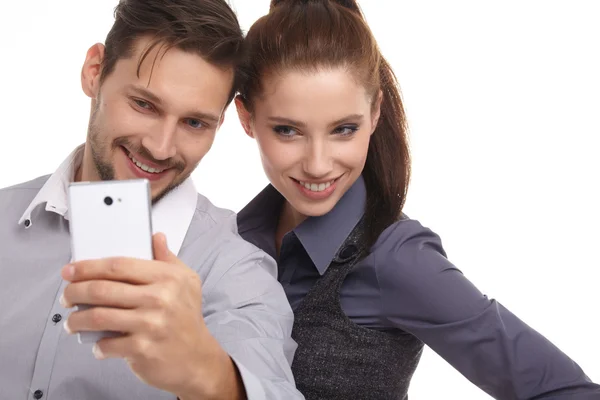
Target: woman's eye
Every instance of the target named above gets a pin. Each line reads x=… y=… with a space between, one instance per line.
x=345 y=130
x=285 y=131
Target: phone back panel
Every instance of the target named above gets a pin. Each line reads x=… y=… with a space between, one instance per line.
x=110 y=219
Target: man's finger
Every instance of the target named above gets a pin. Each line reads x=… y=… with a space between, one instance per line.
x=104 y=293
x=130 y=270
x=161 y=249
x=104 y=319
x=126 y=346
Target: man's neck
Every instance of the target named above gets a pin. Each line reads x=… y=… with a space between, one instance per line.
x=85 y=171
x=78 y=174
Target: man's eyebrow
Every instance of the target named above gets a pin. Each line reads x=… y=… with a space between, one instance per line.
x=206 y=117
x=145 y=93
x=203 y=116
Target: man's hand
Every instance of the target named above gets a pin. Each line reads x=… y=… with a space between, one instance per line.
x=157 y=306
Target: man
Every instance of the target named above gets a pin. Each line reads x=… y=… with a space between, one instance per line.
x=210 y=323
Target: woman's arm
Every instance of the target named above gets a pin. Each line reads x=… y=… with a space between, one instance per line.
x=427 y=296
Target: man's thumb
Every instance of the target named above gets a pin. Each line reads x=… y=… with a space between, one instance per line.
x=160 y=248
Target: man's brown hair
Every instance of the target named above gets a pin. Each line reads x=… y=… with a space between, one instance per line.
x=208 y=28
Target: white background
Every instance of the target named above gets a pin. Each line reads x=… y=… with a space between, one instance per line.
x=503 y=100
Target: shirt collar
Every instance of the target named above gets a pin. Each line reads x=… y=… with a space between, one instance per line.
x=171 y=215
x=257 y=221
x=54 y=191
x=320 y=236
x=323 y=236
x=262 y=212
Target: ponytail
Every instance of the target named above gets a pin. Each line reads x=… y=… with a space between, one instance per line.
x=388 y=166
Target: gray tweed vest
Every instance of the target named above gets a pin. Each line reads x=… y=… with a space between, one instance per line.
x=338 y=359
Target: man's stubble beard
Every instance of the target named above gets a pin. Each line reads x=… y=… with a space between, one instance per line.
x=105 y=170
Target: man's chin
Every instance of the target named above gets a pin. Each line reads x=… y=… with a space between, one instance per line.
x=160 y=187
x=159 y=193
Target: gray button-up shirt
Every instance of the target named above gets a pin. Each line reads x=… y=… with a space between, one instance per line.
x=406 y=283
x=244 y=307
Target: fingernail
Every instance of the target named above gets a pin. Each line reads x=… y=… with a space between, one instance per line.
x=62 y=301
x=97 y=352
x=69 y=271
x=66 y=327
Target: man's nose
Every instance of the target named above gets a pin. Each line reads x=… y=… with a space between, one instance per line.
x=161 y=143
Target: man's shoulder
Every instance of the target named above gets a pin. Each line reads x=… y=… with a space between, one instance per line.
x=214 y=248
x=33 y=184
x=22 y=192
x=215 y=214
x=214 y=230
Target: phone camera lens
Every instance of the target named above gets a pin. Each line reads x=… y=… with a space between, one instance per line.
x=108 y=200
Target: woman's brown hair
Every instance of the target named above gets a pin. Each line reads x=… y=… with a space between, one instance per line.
x=307 y=35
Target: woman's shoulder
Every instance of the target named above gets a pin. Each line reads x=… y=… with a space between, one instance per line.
x=420 y=289
x=413 y=270
x=407 y=248
x=407 y=233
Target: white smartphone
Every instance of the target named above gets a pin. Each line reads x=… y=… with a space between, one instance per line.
x=109 y=219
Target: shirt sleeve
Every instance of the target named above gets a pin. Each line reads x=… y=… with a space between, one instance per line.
x=426 y=295
x=248 y=313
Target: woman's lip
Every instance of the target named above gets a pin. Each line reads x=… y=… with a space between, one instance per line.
x=317 y=195
x=333 y=180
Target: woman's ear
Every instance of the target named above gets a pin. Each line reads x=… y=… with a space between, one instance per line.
x=244 y=115
x=376 y=111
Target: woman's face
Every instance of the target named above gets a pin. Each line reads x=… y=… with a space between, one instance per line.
x=313 y=131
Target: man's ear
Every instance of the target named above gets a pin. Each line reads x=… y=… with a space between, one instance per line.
x=91 y=70
x=222 y=118
x=244 y=115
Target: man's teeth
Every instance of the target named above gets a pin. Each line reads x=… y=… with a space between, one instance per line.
x=145 y=167
x=316 y=187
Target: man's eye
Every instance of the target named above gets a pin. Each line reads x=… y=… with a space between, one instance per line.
x=195 y=123
x=143 y=104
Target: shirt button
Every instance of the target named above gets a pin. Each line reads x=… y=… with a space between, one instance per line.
x=349 y=251
x=27 y=223
x=38 y=394
x=56 y=318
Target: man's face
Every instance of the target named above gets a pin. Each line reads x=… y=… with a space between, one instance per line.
x=157 y=125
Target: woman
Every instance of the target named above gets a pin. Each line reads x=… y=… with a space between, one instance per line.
x=369 y=286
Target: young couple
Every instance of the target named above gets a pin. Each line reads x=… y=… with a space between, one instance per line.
x=320 y=288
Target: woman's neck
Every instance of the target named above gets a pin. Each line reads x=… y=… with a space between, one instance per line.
x=289 y=218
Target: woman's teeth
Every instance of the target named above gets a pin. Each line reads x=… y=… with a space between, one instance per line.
x=144 y=167
x=316 y=187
